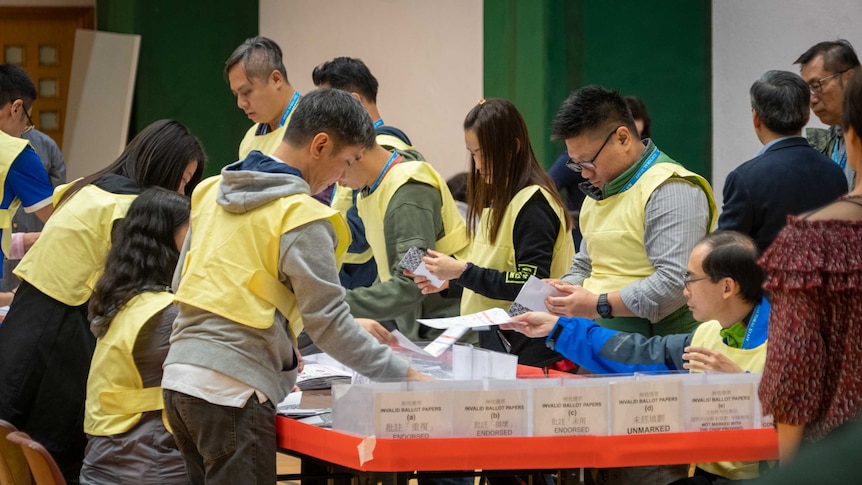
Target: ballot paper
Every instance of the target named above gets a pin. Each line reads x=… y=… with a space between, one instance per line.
x=532 y=297
x=412 y=261
x=476 y=321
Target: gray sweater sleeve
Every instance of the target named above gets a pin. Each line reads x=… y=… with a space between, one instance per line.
x=677 y=217
x=307 y=267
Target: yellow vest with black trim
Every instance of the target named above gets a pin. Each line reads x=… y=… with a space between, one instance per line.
x=231 y=268
x=342 y=201
x=500 y=255
x=10 y=148
x=116 y=397
x=614 y=229
x=372 y=210
x=69 y=256
x=266 y=144
x=752 y=360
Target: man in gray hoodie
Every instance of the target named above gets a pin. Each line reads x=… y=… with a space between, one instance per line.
x=259 y=262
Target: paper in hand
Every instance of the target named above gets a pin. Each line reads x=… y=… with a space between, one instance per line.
x=532 y=296
x=412 y=261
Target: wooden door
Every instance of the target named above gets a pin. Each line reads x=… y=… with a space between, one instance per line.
x=41 y=40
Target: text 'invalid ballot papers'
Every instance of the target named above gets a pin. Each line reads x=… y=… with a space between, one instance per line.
x=530 y=298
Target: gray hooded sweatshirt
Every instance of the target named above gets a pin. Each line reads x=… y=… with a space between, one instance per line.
x=264 y=358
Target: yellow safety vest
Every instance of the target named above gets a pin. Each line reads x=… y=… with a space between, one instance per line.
x=10 y=148
x=342 y=201
x=500 y=255
x=116 y=397
x=69 y=256
x=614 y=228
x=372 y=209
x=752 y=360
x=266 y=144
x=231 y=268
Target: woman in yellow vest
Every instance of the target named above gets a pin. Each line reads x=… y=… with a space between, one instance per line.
x=45 y=341
x=132 y=312
x=523 y=227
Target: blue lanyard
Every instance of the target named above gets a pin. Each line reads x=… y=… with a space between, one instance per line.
x=383 y=172
x=649 y=163
x=843 y=161
x=290 y=106
x=378 y=123
x=757 y=330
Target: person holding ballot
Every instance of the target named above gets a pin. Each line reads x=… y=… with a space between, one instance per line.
x=522 y=228
x=723 y=287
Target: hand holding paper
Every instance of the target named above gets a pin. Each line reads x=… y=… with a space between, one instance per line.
x=532 y=324
x=413 y=262
x=443 y=266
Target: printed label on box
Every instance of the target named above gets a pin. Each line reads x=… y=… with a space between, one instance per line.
x=490 y=413
x=715 y=407
x=567 y=411
x=408 y=415
x=643 y=407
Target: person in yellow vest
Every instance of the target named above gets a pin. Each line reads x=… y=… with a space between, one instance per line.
x=259 y=265
x=132 y=312
x=404 y=203
x=258 y=79
x=45 y=341
x=23 y=178
x=723 y=285
x=643 y=215
x=352 y=75
x=523 y=228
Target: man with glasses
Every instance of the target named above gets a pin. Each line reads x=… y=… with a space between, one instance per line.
x=23 y=177
x=826 y=67
x=643 y=215
x=787 y=176
x=723 y=286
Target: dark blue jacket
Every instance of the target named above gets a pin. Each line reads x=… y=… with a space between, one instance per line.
x=791 y=177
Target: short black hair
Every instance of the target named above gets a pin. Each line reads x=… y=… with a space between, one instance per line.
x=347 y=74
x=781 y=101
x=16 y=84
x=591 y=108
x=838 y=55
x=259 y=56
x=333 y=112
x=734 y=255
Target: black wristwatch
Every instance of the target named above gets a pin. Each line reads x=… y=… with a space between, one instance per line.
x=603 y=307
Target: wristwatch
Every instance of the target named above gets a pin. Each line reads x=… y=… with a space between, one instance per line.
x=603 y=307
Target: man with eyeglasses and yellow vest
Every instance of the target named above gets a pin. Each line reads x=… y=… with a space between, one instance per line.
x=258 y=265
x=643 y=215
x=23 y=179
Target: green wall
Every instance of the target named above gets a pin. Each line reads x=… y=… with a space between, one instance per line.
x=537 y=51
x=183 y=49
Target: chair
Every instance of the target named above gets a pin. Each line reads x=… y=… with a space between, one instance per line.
x=13 y=466
x=43 y=467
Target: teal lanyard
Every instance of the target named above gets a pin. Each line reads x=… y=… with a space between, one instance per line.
x=649 y=163
x=841 y=162
x=383 y=172
x=293 y=100
x=757 y=332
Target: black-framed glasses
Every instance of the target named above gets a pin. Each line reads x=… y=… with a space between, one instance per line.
x=591 y=163
x=688 y=281
x=816 y=87
x=31 y=125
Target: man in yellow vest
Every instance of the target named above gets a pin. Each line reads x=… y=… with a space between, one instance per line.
x=723 y=285
x=643 y=215
x=23 y=179
x=259 y=262
x=352 y=75
x=404 y=203
x=258 y=79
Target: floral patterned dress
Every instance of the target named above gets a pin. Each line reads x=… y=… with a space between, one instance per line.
x=813 y=373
